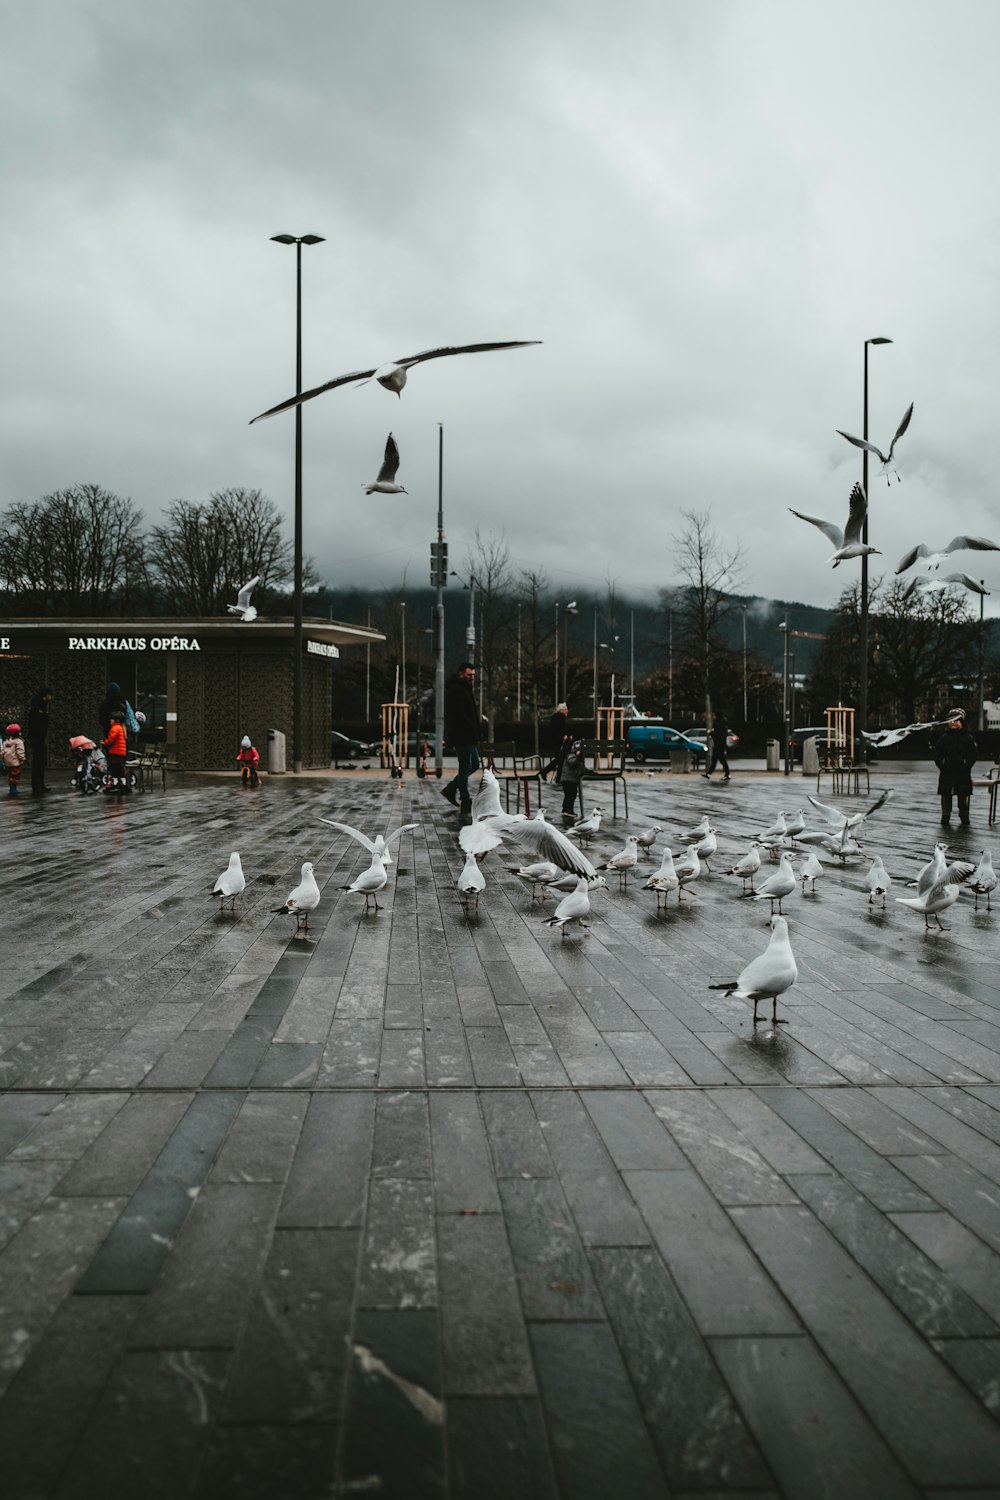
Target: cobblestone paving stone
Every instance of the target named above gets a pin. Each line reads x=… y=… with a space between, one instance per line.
x=445 y=1205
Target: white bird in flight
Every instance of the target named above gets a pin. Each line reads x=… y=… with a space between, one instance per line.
x=847 y=542
x=392 y=377
x=768 y=975
x=380 y=845
x=243 y=606
x=303 y=899
x=888 y=467
x=230 y=883
x=933 y=560
x=940 y=585
x=386 y=484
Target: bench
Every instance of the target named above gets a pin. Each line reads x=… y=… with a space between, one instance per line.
x=519 y=773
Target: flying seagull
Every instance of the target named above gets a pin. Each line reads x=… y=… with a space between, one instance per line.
x=243 y=606
x=888 y=467
x=933 y=560
x=380 y=844
x=386 y=484
x=847 y=542
x=942 y=584
x=391 y=376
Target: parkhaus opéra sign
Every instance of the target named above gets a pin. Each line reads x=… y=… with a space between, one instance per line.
x=133 y=643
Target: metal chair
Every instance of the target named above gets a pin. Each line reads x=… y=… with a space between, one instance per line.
x=522 y=770
x=604 y=760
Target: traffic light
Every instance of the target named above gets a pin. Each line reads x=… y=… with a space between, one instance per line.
x=439 y=564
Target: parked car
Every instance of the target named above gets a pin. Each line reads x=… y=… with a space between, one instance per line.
x=656 y=741
x=344 y=747
x=697 y=733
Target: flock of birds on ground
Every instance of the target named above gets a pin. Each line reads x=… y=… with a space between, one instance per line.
x=555 y=862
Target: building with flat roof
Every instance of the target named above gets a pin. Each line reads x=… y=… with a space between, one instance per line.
x=202 y=683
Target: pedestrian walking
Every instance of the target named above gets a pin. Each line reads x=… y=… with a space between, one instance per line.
x=554 y=740
x=954 y=755
x=13 y=756
x=461 y=732
x=38 y=738
x=720 y=733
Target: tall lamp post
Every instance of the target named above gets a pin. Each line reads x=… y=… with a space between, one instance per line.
x=298 y=240
x=570 y=609
x=744 y=609
x=863 y=683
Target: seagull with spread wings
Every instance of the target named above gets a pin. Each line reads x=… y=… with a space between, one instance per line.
x=888 y=467
x=392 y=377
x=847 y=542
x=386 y=484
x=380 y=845
x=243 y=606
x=933 y=560
x=942 y=584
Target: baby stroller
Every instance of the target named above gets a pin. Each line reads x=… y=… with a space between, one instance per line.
x=89 y=764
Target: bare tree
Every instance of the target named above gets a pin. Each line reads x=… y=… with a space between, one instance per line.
x=204 y=553
x=78 y=551
x=487 y=562
x=712 y=570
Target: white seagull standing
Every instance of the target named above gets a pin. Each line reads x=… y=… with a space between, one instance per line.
x=937 y=899
x=888 y=467
x=624 y=860
x=392 y=377
x=230 y=883
x=747 y=867
x=664 y=880
x=303 y=899
x=386 y=484
x=585 y=828
x=380 y=844
x=768 y=975
x=983 y=880
x=687 y=868
x=700 y=829
x=647 y=838
x=542 y=873
x=933 y=560
x=572 y=908
x=471 y=881
x=779 y=885
x=243 y=606
x=878 y=880
x=370 y=882
x=847 y=541
x=811 y=869
x=706 y=847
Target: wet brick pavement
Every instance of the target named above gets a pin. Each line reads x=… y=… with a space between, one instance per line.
x=445 y=1205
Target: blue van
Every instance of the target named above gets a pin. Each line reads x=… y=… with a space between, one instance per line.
x=656 y=741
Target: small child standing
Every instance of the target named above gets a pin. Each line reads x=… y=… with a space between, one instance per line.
x=12 y=755
x=249 y=759
x=116 y=745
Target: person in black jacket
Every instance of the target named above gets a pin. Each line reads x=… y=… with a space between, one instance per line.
x=555 y=739
x=38 y=738
x=461 y=733
x=954 y=755
x=720 y=733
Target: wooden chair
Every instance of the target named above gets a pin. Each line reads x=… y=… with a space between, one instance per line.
x=992 y=783
x=513 y=770
x=604 y=760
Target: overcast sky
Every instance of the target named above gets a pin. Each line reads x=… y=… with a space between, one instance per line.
x=703 y=209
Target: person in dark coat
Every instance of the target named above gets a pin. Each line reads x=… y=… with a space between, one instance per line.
x=112 y=703
x=720 y=733
x=555 y=738
x=461 y=733
x=38 y=738
x=954 y=755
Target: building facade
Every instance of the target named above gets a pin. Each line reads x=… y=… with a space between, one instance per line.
x=202 y=684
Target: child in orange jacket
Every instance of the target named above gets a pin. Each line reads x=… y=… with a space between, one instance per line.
x=116 y=745
x=248 y=759
x=12 y=755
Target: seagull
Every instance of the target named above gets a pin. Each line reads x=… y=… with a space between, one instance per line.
x=586 y=827
x=777 y=830
x=933 y=560
x=700 y=829
x=878 y=880
x=381 y=843
x=392 y=377
x=937 y=870
x=664 y=880
x=706 y=847
x=687 y=868
x=370 y=882
x=647 y=838
x=839 y=820
x=937 y=899
x=243 y=606
x=795 y=824
x=888 y=467
x=881 y=738
x=230 y=883
x=566 y=881
x=810 y=869
x=471 y=881
x=624 y=860
x=779 y=885
x=840 y=842
x=983 y=879
x=535 y=837
x=770 y=974
x=386 y=484
x=543 y=872
x=747 y=867
x=940 y=585
x=572 y=908
x=304 y=899
x=847 y=542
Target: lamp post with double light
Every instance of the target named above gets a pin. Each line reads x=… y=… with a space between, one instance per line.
x=298 y=240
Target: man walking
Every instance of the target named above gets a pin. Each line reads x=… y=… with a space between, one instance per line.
x=461 y=733
x=720 y=733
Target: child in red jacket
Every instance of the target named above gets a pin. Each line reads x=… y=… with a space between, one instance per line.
x=117 y=747
x=249 y=760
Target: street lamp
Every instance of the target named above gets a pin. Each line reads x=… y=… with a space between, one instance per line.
x=570 y=609
x=298 y=241
x=863 y=684
x=744 y=609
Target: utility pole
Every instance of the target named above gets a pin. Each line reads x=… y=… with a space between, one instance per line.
x=439 y=578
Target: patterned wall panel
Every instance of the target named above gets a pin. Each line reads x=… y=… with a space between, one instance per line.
x=190 y=712
x=220 y=708
x=265 y=698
